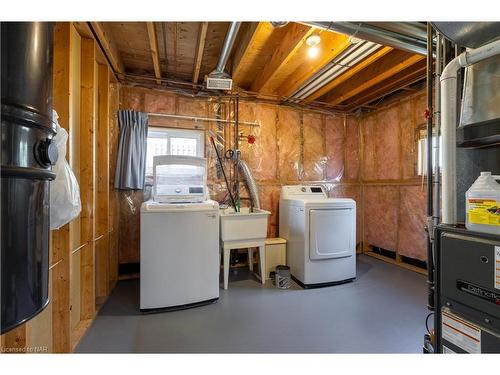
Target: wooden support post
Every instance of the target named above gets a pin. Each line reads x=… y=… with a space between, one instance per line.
x=14 y=341
x=61 y=251
x=102 y=179
x=114 y=208
x=87 y=177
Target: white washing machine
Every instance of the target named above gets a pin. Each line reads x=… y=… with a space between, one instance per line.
x=179 y=238
x=320 y=234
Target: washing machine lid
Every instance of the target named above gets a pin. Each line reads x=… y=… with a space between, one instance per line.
x=331 y=233
x=152 y=206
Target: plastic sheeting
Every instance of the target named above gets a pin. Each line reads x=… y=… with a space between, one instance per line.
x=294 y=146
x=65 y=204
x=412 y=214
x=353 y=192
x=130 y=202
x=335 y=147
x=381 y=145
x=288 y=136
x=315 y=160
x=381 y=216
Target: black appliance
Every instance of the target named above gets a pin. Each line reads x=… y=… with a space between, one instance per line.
x=26 y=158
x=467 y=314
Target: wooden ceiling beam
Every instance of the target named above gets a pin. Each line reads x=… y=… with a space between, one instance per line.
x=332 y=44
x=399 y=81
x=105 y=39
x=202 y=37
x=153 y=46
x=295 y=36
x=348 y=74
x=392 y=64
x=249 y=39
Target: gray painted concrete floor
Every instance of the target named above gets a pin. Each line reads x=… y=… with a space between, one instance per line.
x=382 y=311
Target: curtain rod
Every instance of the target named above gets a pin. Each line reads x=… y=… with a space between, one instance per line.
x=202 y=119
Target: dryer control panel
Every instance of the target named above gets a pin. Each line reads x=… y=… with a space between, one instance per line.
x=303 y=191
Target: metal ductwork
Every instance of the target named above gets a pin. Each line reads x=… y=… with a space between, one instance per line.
x=407 y=42
x=414 y=29
x=469 y=34
x=226 y=50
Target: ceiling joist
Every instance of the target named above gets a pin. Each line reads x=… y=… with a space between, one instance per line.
x=332 y=44
x=249 y=40
x=399 y=81
x=390 y=65
x=103 y=34
x=348 y=74
x=153 y=45
x=295 y=36
x=202 y=37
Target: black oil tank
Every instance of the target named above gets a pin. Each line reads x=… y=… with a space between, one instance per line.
x=27 y=155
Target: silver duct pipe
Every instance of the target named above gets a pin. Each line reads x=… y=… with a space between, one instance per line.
x=251 y=184
x=375 y=34
x=416 y=30
x=227 y=47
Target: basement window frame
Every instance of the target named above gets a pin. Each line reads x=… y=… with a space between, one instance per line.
x=167 y=134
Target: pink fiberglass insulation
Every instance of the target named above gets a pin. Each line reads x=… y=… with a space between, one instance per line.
x=412 y=236
x=288 y=140
x=314 y=148
x=381 y=216
x=353 y=192
x=352 y=145
x=261 y=156
x=335 y=146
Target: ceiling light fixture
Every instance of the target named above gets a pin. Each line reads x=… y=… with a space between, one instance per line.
x=313 y=40
x=313 y=51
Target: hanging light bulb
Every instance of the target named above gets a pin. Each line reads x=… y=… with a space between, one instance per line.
x=313 y=51
x=312 y=41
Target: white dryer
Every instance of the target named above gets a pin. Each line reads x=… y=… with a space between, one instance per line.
x=320 y=234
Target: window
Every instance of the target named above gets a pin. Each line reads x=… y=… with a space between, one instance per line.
x=167 y=141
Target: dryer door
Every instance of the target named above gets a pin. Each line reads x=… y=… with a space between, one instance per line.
x=330 y=233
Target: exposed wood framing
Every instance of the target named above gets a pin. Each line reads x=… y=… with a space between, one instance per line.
x=372 y=75
x=103 y=34
x=87 y=177
x=153 y=45
x=248 y=40
x=102 y=179
x=332 y=44
x=348 y=74
x=406 y=77
x=295 y=36
x=202 y=37
x=61 y=245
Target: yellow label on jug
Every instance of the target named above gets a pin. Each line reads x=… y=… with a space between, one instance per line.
x=484 y=211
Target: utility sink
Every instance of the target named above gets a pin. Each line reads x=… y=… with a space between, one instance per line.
x=244 y=225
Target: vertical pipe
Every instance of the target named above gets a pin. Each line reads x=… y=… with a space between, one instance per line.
x=437 y=121
x=237 y=148
x=430 y=229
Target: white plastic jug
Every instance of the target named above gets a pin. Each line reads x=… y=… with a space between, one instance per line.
x=482 y=202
